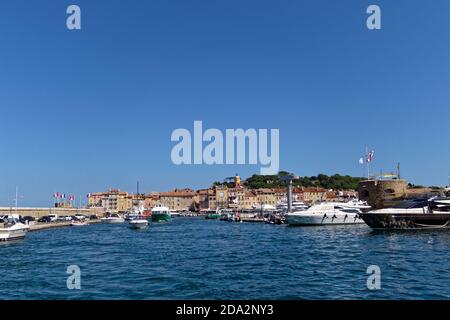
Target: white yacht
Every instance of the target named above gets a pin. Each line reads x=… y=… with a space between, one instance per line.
x=327 y=213
x=296 y=206
x=113 y=218
x=12 y=229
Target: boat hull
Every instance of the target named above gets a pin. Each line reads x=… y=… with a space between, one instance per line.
x=161 y=217
x=213 y=216
x=140 y=224
x=79 y=224
x=320 y=220
x=407 y=221
x=8 y=234
x=106 y=220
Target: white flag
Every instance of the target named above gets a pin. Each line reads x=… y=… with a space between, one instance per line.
x=361 y=160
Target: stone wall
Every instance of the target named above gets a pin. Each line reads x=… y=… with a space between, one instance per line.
x=382 y=193
x=40 y=212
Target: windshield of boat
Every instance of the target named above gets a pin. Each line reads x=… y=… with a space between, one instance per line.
x=411 y=204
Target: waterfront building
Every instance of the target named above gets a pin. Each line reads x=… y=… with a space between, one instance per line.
x=135 y=200
x=152 y=200
x=250 y=200
x=113 y=200
x=221 y=196
x=177 y=200
x=202 y=200
x=280 y=195
x=266 y=196
x=311 y=194
x=236 y=197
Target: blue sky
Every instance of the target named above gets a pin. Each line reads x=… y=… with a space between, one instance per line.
x=86 y=110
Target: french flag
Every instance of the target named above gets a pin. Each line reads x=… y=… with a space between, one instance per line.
x=370 y=156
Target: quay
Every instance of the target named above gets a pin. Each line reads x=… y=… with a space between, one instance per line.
x=40 y=212
x=53 y=225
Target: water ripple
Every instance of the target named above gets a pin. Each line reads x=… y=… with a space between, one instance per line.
x=197 y=259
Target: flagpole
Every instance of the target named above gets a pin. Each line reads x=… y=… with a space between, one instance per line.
x=368 y=163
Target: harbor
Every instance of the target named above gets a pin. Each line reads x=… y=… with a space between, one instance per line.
x=283 y=243
x=193 y=258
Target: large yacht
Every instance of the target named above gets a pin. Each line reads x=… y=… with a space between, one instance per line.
x=328 y=213
x=12 y=229
x=296 y=206
x=432 y=213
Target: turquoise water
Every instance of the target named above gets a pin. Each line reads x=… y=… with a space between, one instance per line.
x=193 y=258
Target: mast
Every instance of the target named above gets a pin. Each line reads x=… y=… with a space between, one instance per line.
x=17 y=198
x=367 y=163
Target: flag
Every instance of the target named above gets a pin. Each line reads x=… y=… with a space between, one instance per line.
x=361 y=160
x=370 y=156
x=71 y=197
x=63 y=196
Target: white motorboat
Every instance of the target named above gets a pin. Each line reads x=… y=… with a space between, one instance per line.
x=12 y=229
x=113 y=218
x=174 y=213
x=296 y=206
x=138 y=223
x=326 y=213
x=79 y=223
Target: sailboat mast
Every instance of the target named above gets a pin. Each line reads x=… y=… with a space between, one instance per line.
x=17 y=198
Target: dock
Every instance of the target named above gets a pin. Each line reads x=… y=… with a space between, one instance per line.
x=53 y=225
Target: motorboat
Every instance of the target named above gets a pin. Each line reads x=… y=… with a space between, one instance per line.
x=174 y=213
x=12 y=229
x=161 y=214
x=432 y=213
x=326 y=213
x=212 y=214
x=135 y=212
x=138 y=223
x=113 y=218
x=79 y=223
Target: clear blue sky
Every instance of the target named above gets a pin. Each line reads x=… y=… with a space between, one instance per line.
x=86 y=110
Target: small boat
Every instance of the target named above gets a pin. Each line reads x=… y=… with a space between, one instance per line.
x=175 y=214
x=433 y=213
x=12 y=229
x=79 y=223
x=161 y=214
x=138 y=223
x=113 y=218
x=326 y=213
x=212 y=215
